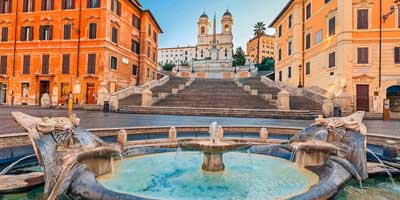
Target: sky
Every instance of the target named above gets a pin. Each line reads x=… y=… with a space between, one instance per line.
x=178 y=18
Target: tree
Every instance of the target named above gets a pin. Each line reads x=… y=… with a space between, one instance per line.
x=239 y=57
x=267 y=64
x=259 y=30
x=168 y=66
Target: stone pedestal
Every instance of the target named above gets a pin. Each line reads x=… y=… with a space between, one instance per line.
x=122 y=139
x=147 y=97
x=264 y=135
x=45 y=101
x=54 y=97
x=114 y=103
x=283 y=100
x=213 y=162
x=327 y=108
x=172 y=134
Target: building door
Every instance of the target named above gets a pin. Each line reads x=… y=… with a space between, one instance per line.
x=3 y=93
x=44 y=88
x=91 y=94
x=363 y=98
x=393 y=94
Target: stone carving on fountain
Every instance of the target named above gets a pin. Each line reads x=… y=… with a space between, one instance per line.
x=72 y=158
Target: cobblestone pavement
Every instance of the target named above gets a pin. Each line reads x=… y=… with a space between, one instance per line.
x=95 y=119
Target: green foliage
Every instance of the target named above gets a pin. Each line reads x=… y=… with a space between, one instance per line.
x=239 y=57
x=267 y=64
x=168 y=66
x=259 y=29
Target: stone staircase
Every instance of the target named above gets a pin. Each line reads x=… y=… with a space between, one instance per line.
x=214 y=93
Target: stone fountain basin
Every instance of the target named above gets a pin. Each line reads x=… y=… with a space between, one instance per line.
x=210 y=147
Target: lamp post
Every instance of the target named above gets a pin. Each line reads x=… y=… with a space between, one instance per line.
x=249 y=65
x=192 y=66
x=234 y=66
x=177 y=70
x=300 y=70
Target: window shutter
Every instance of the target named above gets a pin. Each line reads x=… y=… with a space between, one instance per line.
x=43 y=5
x=27 y=64
x=112 y=5
x=41 y=33
x=45 y=64
x=4 y=34
x=119 y=8
x=66 y=64
x=31 y=33
x=9 y=7
x=51 y=4
x=72 y=4
x=25 y=6
x=63 y=4
x=50 y=32
x=23 y=34
x=88 y=5
x=3 y=65
x=397 y=55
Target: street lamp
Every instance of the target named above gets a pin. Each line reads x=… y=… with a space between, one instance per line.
x=249 y=65
x=300 y=84
x=177 y=70
x=192 y=66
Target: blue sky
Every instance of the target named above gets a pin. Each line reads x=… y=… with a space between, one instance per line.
x=178 y=18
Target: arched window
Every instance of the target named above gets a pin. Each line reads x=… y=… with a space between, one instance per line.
x=203 y=30
x=226 y=27
x=201 y=53
x=226 y=52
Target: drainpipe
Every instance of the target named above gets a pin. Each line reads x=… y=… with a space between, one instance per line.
x=303 y=51
x=380 y=43
x=79 y=38
x=15 y=37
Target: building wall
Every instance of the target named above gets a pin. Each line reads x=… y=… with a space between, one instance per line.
x=344 y=77
x=267 y=48
x=102 y=46
x=176 y=55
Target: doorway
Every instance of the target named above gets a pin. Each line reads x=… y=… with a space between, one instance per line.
x=393 y=94
x=363 y=98
x=90 y=93
x=3 y=93
x=44 y=88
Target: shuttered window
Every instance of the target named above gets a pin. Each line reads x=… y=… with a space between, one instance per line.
x=67 y=31
x=47 y=5
x=116 y=7
x=92 y=31
x=45 y=64
x=280 y=75
x=289 y=48
x=280 y=54
x=3 y=64
x=91 y=65
x=28 y=6
x=397 y=55
x=362 y=19
x=362 y=55
x=4 y=34
x=113 y=62
x=134 y=70
x=26 y=64
x=27 y=33
x=5 y=6
x=114 y=35
x=280 y=31
x=135 y=47
x=135 y=21
x=332 y=26
x=308 y=68
x=308 y=41
x=93 y=3
x=65 y=63
x=289 y=72
x=46 y=32
x=332 y=59
x=308 y=11
x=290 y=21
x=68 y=4
x=398 y=18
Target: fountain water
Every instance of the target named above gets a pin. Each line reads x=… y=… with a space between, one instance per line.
x=383 y=165
x=7 y=169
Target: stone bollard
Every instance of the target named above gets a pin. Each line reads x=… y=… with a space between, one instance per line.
x=114 y=103
x=247 y=88
x=254 y=92
x=172 y=134
x=220 y=133
x=174 y=90
x=181 y=86
x=45 y=101
x=264 y=135
x=122 y=139
x=327 y=108
x=147 y=97
x=283 y=100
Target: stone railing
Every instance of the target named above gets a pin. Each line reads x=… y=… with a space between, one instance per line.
x=310 y=94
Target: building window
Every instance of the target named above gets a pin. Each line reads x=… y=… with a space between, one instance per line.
x=308 y=68
x=318 y=37
x=68 y=4
x=135 y=47
x=26 y=64
x=202 y=53
x=362 y=55
x=290 y=21
x=289 y=72
x=280 y=75
x=308 y=41
x=280 y=31
x=134 y=70
x=91 y=64
x=4 y=34
x=93 y=3
x=65 y=63
x=154 y=36
x=113 y=62
x=226 y=52
x=148 y=51
x=327 y=1
x=398 y=18
x=67 y=31
x=397 y=55
x=92 y=31
x=114 y=35
x=3 y=64
x=279 y=54
x=149 y=29
x=27 y=33
x=289 y=48
x=45 y=64
x=148 y=73
x=116 y=7
x=362 y=19
x=24 y=89
x=332 y=26
x=46 y=32
x=332 y=59
x=65 y=90
x=28 y=6
x=135 y=21
x=308 y=11
x=47 y=5
x=5 y=6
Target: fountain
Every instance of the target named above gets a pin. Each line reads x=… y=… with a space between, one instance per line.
x=213 y=149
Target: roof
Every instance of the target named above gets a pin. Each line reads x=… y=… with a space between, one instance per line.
x=187 y=47
x=227 y=13
x=204 y=15
x=154 y=19
x=265 y=35
x=281 y=13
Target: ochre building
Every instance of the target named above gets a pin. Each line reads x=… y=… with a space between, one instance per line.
x=72 y=46
x=343 y=48
x=267 y=48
